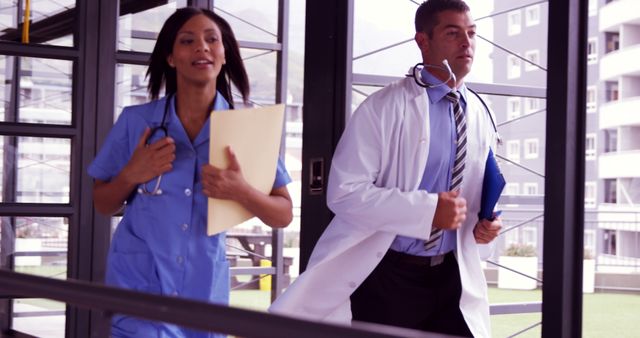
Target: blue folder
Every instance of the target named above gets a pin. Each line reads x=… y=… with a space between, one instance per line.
x=492 y=186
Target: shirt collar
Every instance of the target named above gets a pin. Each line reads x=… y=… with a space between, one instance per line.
x=438 y=93
x=158 y=113
x=219 y=103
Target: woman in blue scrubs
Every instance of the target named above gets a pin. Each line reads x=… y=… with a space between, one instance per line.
x=156 y=162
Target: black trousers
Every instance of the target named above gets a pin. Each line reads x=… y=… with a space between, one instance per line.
x=406 y=291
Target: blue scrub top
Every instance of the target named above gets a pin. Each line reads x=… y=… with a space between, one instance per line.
x=161 y=245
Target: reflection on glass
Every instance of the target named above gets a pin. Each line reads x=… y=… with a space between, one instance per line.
x=387 y=29
x=360 y=93
x=6 y=78
x=39 y=317
x=141 y=21
x=131 y=87
x=261 y=69
x=44 y=90
x=251 y=20
x=35 y=170
x=52 y=22
x=383 y=38
x=37 y=246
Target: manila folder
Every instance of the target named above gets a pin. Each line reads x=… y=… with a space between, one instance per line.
x=254 y=134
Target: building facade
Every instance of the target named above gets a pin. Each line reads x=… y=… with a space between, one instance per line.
x=612 y=139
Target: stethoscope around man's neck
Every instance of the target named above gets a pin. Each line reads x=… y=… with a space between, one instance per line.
x=415 y=74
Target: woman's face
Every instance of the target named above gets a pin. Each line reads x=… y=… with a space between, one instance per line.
x=198 y=52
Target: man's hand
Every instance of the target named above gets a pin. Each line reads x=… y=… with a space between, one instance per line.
x=486 y=231
x=451 y=210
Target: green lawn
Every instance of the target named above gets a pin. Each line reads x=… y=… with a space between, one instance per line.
x=251 y=299
x=605 y=314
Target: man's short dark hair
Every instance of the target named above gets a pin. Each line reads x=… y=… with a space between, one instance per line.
x=427 y=13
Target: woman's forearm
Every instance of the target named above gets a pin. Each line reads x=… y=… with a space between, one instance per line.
x=274 y=210
x=109 y=197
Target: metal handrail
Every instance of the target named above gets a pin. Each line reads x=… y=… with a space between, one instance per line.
x=515 y=308
x=188 y=313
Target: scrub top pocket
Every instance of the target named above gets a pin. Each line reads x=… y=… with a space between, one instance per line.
x=136 y=271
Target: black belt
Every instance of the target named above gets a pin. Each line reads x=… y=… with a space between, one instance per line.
x=400 y=257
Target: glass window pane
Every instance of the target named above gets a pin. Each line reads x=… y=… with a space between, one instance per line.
x=44 y=90
x=515 y=22
x=131 y=87
x=383 y=41
x=140 y=22
x=51 y=22
x=387 y=28
x=516 y=39
x=261 y=68
x=131 y=81
x=36 y=168
x=250 y=20
x=611 y=193
x=39 y=317
x=7 y=106
x=37 y=246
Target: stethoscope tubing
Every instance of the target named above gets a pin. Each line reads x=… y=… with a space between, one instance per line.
x=162 y=128
x=415 y=74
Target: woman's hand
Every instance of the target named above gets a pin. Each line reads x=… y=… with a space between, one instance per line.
x=146 y=163
x=226 y=184
x=149 y=161
x=274 y=209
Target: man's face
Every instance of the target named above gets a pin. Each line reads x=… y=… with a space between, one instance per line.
x=453 y=39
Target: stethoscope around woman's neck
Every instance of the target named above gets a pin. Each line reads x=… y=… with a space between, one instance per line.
x=163 y=129
x=415 y=74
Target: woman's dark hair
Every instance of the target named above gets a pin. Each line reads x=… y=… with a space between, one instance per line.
x=427 y=13
x=160 y=73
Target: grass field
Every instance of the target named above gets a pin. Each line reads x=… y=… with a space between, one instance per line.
x=604 y=315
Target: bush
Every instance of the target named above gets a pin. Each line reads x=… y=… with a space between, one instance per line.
x=521 y=250
x=588 y=254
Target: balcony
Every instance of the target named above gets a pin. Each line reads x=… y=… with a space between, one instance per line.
x=620 y=113
x=617 y=13
x=622 y=62
x=619 y=164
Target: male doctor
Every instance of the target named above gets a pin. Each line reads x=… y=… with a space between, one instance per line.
x=405 y=185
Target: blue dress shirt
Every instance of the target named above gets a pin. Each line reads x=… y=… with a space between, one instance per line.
x=437 y=174
x=161 y=245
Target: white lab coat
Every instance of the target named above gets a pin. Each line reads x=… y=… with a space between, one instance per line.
x=373 y=191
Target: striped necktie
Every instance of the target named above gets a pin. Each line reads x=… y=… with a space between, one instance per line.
x=458 y=164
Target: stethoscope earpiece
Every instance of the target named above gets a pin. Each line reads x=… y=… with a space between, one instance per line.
x=415 y=74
